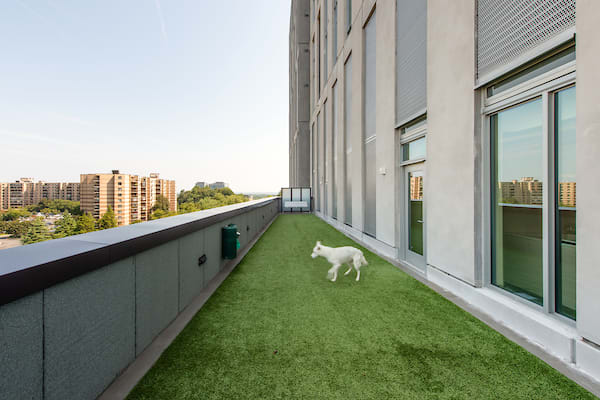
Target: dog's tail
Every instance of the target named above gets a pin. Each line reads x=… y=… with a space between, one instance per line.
x=360 y=260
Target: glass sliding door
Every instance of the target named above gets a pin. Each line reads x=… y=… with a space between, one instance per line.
x=415 y=212
x=566 y=201
x=517 y=197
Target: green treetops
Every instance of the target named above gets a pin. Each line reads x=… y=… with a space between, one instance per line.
x=108 y=220
x=162 y=203
x=37 y=232
x=66 y=226
x=86 y=223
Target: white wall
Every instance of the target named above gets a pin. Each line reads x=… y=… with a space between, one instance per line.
x=588 y=184
x=450 y=167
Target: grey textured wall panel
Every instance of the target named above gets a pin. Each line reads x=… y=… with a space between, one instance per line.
x=411 y=58
x=507 y=29
x=21 y=353
x=242 y=223
x=212 y=243
x=191 y=275
x=89 y=331
x=157 y=287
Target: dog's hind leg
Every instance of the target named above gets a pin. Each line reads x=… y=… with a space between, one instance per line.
x=349 y=269
x=357 y=268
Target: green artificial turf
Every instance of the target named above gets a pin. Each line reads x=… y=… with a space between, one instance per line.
x=276 y=328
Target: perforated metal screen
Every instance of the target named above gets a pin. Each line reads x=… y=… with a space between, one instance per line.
x=411 y=58
x=507 y=29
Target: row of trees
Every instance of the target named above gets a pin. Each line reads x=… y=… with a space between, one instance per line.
x=17 y=222
x=203 y=198
x=35 y=230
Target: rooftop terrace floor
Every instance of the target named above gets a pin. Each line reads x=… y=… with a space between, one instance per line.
x=277 y=328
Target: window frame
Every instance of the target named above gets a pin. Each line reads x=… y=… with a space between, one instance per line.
x=410 y=134
x=544 y=86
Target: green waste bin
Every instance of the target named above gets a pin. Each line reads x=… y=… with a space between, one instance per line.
x=230 y=241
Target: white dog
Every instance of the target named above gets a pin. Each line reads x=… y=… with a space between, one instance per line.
x=338 y=256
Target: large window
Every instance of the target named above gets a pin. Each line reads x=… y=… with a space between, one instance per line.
x=517 y=213
x=566 y=200
x=533 y=202
x=370 y=131
x=348 y=140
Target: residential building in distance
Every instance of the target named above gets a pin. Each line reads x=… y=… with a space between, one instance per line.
x=218 y=185
x=26 y=192
x=131 y=197
x=200 y=184
x=462 y=142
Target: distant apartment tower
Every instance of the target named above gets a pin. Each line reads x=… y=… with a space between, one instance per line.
x=26 y=192
x=131 y=197
x=200 y=184
x=218 y=185
x=299 y=90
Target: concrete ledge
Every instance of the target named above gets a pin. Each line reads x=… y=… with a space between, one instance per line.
x=552 y=335
x=588 y=358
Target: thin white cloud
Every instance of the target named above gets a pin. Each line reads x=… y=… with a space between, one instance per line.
x=162 y=20
x=71 y=119
x=32 y=137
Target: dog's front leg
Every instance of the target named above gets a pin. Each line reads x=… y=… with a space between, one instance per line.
x=335 y=271
x=330 y=273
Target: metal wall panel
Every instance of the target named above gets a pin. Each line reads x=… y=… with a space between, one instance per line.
x=370 y=134
x=411 y=58
x=89 y=331
x=191 y=275
x=507 y=29
x=334 y=163
x=21 y=348
x=157 y=283
x=348 y=141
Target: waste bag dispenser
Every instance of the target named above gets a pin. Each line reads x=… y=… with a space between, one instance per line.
x=230 y=242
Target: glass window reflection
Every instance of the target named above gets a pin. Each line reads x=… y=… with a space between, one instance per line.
x=566 y=199
x=517 y=172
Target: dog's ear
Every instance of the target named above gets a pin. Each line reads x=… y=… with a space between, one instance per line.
x=318 y=242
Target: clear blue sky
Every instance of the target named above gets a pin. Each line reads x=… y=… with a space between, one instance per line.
x=195 y=90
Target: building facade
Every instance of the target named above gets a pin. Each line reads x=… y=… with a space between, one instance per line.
x=26 y=192
x=131 y=197
x=459 y=154
x=300 y=100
